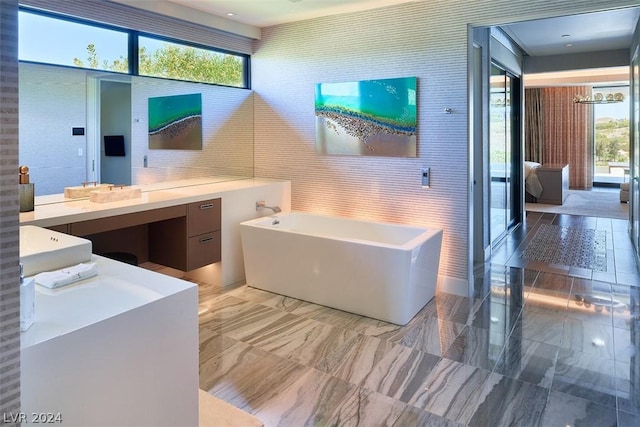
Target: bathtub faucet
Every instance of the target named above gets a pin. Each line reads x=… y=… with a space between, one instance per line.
x=262 y=205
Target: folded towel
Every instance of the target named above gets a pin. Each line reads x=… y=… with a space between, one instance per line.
x=66 y=276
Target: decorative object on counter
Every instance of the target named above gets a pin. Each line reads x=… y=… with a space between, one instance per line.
x=66 y=276
x=26 y=189
x=367 y=118
x=114 y=193
x=83 y=190
x=27 y=301
x=175 y=122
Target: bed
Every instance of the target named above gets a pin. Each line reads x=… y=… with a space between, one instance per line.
x=531 y=181
x=548 y=183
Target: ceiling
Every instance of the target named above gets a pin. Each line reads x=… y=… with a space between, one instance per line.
x=589 y=32
x=264 y=13
x=592 y=32
x=553 y=36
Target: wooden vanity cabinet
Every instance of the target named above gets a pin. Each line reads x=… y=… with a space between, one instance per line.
x=188 y=242
x=125 y=233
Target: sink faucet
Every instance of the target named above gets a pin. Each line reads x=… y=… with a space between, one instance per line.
x=262 y=205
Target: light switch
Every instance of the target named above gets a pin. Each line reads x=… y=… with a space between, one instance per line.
x=426 y=177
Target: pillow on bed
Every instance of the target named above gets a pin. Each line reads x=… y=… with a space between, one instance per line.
x=528 y=167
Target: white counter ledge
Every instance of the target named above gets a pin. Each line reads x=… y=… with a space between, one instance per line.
x=55 y=209
x=238 y=197
x=120 y=348
x=116 y=289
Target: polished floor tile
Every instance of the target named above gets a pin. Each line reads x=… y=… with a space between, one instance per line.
x=537 y=345
x=566 y=410
x=529 y=361
x=510 y=402
x=586 y=376
x=545 y=325
x=452 y=390
x=477 y=347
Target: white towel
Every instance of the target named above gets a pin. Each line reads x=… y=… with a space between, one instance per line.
x=66 y=276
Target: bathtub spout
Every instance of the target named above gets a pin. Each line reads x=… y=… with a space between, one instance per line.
x=262 y=205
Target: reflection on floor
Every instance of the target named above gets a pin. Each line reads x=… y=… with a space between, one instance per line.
x=536 y=346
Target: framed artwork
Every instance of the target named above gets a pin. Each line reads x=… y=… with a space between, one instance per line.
x=175 y=122
x=368 y=118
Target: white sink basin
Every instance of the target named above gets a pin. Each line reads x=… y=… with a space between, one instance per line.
x=46 y=250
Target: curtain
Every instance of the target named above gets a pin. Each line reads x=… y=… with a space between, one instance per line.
x=559 y=131
x=568 y=133
x=533 y=142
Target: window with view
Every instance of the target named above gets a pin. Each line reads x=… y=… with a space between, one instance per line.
x=160 y=58
x=611 y=136
x=70 y=43
x=82 y=44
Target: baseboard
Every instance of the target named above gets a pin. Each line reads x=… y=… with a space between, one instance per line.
x=453 y=285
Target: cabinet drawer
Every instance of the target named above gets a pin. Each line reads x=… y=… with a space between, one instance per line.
x=203 y=249
x=203 y=217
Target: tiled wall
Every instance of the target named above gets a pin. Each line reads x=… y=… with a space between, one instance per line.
x=9 y=236
x=227 y=133
x=423 y=39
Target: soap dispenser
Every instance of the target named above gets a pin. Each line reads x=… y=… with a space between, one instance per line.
x=27 y=301
x=27 y=190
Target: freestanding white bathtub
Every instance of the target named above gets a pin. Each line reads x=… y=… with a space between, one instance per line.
x=380 y=270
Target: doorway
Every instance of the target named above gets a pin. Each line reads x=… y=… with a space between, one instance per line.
x=115 y=132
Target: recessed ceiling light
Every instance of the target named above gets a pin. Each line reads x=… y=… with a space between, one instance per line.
x=231 y=14
x=569 y=45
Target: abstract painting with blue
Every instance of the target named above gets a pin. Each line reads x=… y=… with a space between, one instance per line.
x=367 y=118
x=175 y=122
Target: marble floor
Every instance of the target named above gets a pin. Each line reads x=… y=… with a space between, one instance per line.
x=536 y=346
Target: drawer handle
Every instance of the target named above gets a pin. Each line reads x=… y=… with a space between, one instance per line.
x=206 y=239
x=206 y=206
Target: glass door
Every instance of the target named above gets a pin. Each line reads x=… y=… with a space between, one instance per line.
x=635 y=151
x=503 y=150
x=611 y=137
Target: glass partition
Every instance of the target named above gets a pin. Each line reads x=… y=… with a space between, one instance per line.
x=502 y=140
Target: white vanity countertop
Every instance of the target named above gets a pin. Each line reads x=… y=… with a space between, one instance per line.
x=55 y=210
x=117 y=288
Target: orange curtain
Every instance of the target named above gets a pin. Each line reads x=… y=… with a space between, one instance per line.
x=533 y=121
x=567 y=133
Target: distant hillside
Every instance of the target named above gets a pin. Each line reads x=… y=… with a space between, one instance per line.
x=610 y=119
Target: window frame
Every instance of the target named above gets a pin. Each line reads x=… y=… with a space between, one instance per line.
x=244 y=57
x=133 y=46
